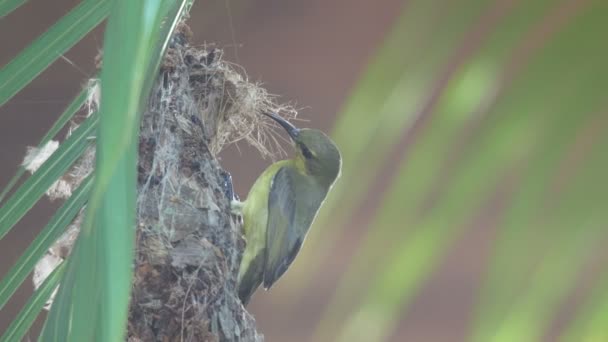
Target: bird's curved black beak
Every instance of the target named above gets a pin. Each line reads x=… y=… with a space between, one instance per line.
x=292 y=130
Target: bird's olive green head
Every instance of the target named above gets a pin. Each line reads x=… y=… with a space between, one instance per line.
x=315 y=150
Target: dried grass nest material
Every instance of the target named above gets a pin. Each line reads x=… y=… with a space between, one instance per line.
x=230 y=105
x=199 y=104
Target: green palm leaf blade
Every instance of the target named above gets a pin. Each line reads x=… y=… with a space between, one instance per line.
x=386 y=102
x=575 y=225
x=457 y=113
x=415 y=256
x=58 y=163
x=92 y=303
x=7 y=6
x=507 y=270
x=465 y=95
x=592 y=318
x=405 y=270
x=57 y=126
x=473 y=182
x=24 y=320
x=567 y=233
x=528 y=95
x=43 y=241
x=395 y=87
x=50 y=45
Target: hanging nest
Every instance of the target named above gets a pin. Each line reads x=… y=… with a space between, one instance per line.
x=189 y=246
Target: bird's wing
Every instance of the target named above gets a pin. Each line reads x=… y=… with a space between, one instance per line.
x=283 y=238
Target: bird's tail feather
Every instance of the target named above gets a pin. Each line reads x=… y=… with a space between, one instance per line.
x=251 y=279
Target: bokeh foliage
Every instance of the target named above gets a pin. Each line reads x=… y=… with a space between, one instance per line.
x=470 y=107
x=474 y=107
x=93 y=299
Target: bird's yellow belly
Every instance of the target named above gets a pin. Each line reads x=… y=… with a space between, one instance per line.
x=255 y=217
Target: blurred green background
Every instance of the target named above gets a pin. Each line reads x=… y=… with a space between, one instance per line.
x=473 y=202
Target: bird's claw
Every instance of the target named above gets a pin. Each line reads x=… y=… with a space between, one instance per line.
x=236 y=207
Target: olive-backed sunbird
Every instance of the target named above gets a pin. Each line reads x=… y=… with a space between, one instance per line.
x=282 y=205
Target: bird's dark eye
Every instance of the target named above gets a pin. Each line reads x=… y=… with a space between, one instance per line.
x=306 y=152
